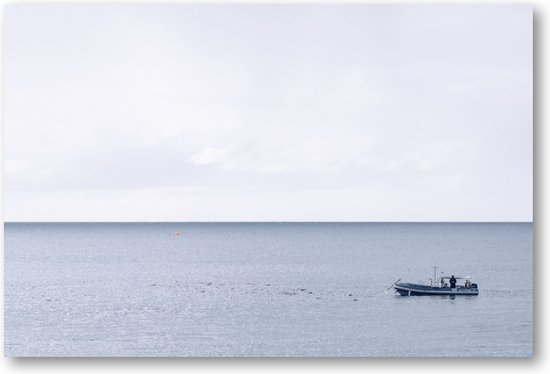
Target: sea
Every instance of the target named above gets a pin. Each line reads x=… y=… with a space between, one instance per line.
x=264 y=290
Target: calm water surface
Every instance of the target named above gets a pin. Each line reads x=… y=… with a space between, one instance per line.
x=264 y=289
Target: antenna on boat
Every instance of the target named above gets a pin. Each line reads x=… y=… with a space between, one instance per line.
x=435 y=276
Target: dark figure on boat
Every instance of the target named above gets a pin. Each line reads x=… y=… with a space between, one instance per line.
x=453 y=281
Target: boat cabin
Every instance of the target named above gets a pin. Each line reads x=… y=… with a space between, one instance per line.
x=462 y=282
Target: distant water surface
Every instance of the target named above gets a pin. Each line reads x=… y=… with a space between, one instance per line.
x=264 y=289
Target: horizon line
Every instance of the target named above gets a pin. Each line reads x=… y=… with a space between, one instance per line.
x=268 y=222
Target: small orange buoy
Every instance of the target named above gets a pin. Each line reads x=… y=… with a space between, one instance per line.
x=177 y=234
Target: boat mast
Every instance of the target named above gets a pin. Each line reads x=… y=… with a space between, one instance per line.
x=436 y=284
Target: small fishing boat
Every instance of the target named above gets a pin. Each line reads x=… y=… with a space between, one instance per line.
x=440 y=286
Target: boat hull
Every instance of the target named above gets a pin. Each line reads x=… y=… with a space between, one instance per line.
x=412 y=289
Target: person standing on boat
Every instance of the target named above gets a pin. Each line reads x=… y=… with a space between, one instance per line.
x=452 y=281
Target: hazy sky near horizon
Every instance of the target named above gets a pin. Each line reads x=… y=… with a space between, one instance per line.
x=268 y=113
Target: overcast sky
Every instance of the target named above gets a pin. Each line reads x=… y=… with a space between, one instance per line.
x=267 y=113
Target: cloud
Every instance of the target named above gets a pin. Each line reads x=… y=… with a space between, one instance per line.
x=373 y=112
x=210 y=155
